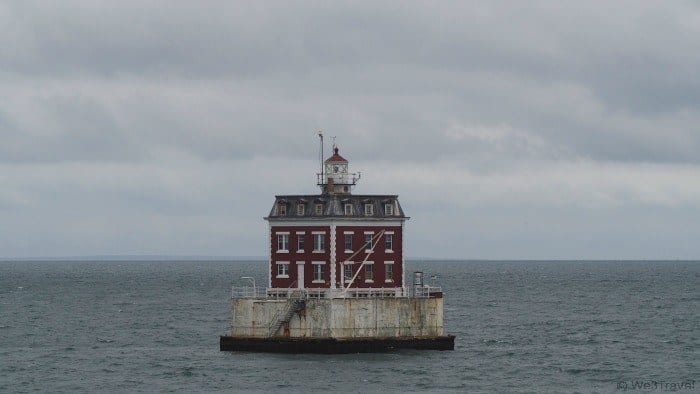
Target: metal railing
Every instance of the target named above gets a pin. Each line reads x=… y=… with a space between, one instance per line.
x=248 y=292
x=424 y=291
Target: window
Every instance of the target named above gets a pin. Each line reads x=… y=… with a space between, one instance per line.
x=368 y=241
x=369 y=209
x=389 y=271
x=348 y=242
x=300 y=209
x=348 y=272
x=389 y=210
x=348 y=209
x=368 y=273
x=319 y=209
x=283 y=270
x=389 y=240
x=318 y=273
x=282 y=207
x=300 y=242
x=319 y=242
x=282 y=242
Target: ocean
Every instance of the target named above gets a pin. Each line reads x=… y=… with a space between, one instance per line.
x=154 y=326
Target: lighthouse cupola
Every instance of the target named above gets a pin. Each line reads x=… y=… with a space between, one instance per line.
x=336 y=178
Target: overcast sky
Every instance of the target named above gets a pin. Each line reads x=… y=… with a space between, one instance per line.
x=510 y=130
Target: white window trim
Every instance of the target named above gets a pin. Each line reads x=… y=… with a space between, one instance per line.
x=386 y=263
x=315 y=233
x=282 y=233
x=386 y=211
x=371 y=244
x=304 y=232
x=345 y=234
x=301 y=233
x=389 y=251
x=386 y=232
x=301 y=262
x=368 y=263
x=313 y=273
x=347 y=271
x=278 y=242
x=283 y=263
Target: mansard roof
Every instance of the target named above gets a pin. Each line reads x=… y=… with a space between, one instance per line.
x=334 y=207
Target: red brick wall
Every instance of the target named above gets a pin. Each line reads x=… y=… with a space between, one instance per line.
x=378 y=256
x=306 y=256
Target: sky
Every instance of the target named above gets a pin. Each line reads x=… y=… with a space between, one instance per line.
x=509 y=130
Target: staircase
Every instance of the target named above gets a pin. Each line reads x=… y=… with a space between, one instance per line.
x=291 y=307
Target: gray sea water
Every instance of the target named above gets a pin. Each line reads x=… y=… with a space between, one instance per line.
x=520 y=327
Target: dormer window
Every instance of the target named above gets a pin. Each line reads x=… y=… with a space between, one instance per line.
x=369 y=209
x=319 y=209
x=389 y=210
x=300 y=209
x=282 y=208
x=348 y=209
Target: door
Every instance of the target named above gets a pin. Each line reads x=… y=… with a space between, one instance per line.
x=300 y=276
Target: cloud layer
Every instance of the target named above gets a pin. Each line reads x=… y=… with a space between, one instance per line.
x=540 y=130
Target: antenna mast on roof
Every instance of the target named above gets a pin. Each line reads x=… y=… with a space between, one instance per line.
x=320 y=135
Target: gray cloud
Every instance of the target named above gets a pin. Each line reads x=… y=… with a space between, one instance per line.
x=172 y=121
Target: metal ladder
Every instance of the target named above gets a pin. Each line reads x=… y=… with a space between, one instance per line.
x=292 y=306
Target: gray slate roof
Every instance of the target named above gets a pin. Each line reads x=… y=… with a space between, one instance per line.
x=334 y=206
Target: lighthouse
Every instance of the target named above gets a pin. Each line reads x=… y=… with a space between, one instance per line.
x=336 y=240
x=336 y=281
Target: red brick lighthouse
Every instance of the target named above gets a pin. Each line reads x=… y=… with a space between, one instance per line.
x=337 y=241
x=336 y=280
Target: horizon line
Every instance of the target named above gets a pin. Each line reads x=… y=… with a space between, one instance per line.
x=155 y=257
